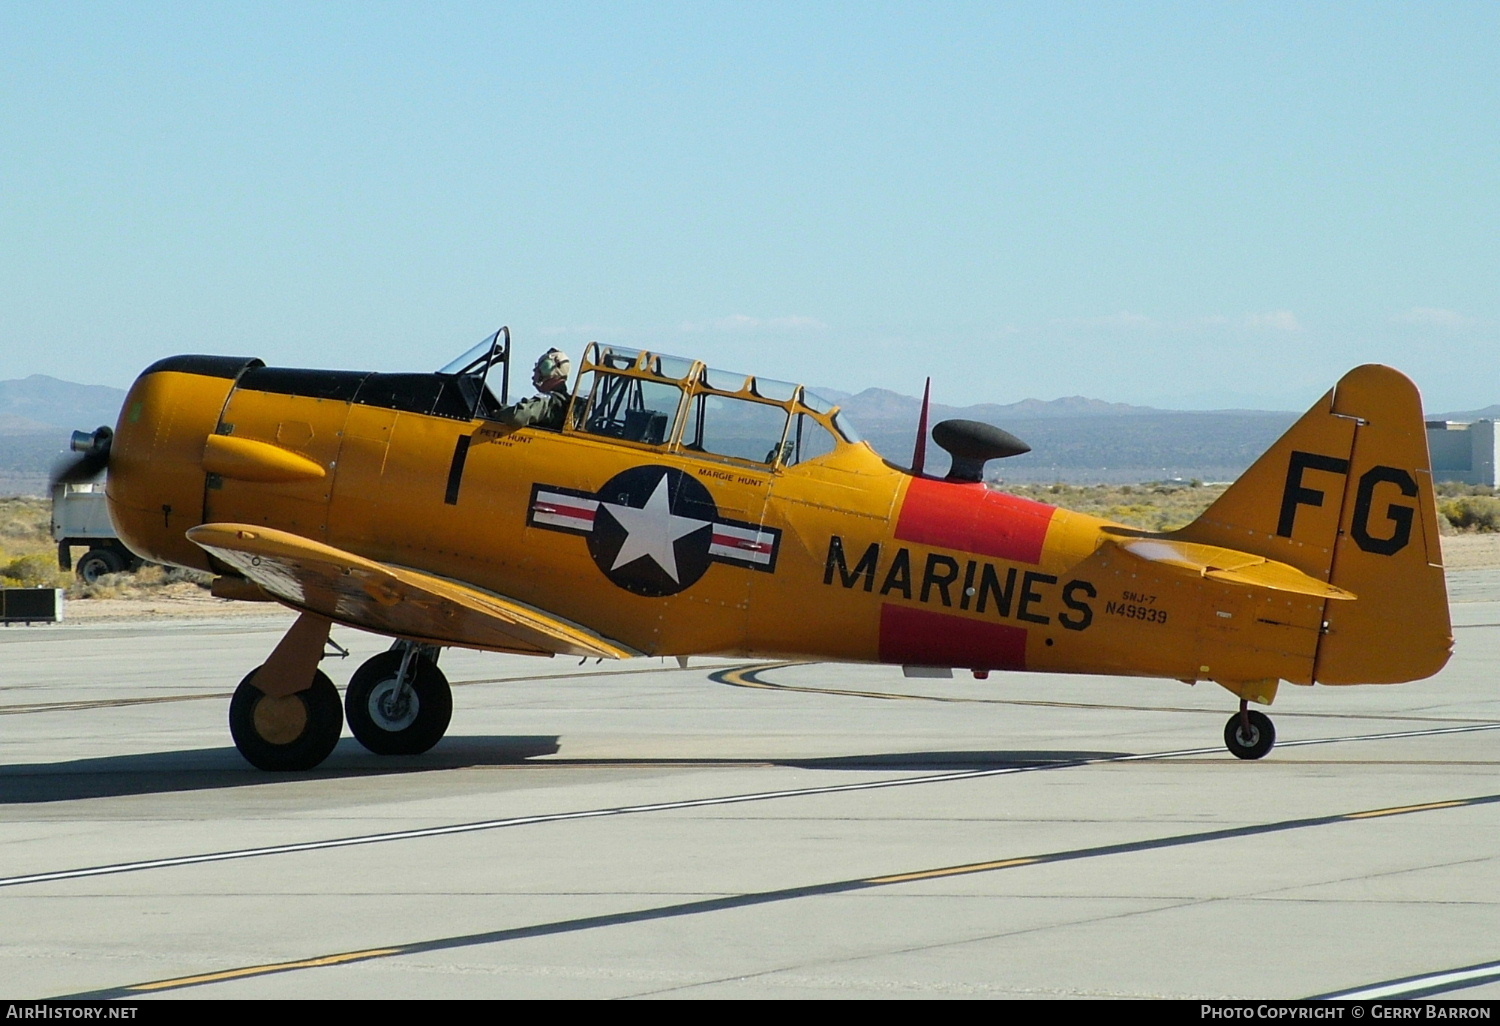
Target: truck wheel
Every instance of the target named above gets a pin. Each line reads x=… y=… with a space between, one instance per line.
x=98 y=562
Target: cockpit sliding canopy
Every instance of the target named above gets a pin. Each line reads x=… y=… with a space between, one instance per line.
x=651 y=399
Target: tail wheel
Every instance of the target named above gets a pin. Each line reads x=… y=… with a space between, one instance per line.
x=391 y=719
x=1249 y=735
x=293 y=732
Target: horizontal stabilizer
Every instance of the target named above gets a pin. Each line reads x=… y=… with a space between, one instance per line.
x=393 y=600
x=1229 y=566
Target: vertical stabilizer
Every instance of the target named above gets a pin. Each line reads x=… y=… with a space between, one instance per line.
x=1346 y=497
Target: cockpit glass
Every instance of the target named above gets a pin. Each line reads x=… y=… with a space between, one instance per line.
x=846 y=429
x=808 y=440
x=739 y=428
x=671 y=366
x=813 y=401
x=632 y=408
x=782 y=391
x=472 y=361
x=723 y=380
x=618 y=357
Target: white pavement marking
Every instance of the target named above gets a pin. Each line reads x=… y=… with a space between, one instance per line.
x=1433 y=983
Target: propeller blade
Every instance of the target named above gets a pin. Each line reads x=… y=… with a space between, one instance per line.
x=91 y=461
x=81 y=468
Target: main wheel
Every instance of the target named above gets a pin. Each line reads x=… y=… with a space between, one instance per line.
x=1250 y=742
x=295 y=732
x=98 y=562
x=391 y=721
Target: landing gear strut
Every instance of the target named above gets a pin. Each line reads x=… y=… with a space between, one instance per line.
x=399 y=702
x=1249 y=734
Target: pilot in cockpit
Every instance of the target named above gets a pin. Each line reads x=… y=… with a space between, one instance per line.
x=550 y=376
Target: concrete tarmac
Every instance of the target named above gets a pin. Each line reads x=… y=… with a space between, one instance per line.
x=734 y=830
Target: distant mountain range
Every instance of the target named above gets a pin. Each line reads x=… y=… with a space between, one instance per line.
x=37 y=417
x=1082 y=440
x=1072 y=439
x=879 y=403
x=1488 y=413
x=41 y=404
x=1077 y=438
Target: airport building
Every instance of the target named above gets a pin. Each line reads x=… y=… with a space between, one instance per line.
x=1463 y=452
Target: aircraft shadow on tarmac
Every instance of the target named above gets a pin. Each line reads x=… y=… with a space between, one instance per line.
x=207 y=769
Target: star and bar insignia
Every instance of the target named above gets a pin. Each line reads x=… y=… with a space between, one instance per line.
x=653 y=530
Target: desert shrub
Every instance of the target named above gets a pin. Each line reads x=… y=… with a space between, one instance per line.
x=1472 y=512
x=105 y=586
x=33 y=570
x=28 y=558
x=150 y=581
x=16 y=527
x=1153 y=506
x=150 y=576
x=153 y=575
x=24 y=517
x=1452 y=489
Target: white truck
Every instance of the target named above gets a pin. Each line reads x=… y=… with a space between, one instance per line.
x=80 y=516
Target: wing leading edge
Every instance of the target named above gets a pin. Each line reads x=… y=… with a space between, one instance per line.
x=393 y=600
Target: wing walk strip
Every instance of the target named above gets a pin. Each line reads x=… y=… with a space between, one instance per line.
x=708 y=905
x=698 y=803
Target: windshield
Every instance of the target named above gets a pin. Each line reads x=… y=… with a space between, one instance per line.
x=473 y=360
x=472 y=370
x=815 y=402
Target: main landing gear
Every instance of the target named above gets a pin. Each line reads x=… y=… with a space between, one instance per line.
x=399 y=702
x=1249 y=734
x=286 y=714
x=285 y=732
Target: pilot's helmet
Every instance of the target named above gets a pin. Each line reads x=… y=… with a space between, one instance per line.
x=551 y=364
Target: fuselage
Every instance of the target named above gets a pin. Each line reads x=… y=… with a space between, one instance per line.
x=672 y=551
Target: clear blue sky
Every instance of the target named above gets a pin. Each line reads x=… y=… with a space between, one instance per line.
x=1176 y=204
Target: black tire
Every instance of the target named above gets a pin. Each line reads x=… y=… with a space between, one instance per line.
x=98 y=562
x=409 y=730
x=321 y=722
x=1252 y=742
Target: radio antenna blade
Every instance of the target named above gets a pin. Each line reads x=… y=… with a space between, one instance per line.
x=919 y=454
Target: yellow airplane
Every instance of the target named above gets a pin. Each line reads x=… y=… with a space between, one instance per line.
x=684 y=510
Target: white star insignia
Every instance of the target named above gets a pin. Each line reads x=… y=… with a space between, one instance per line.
x=652 y=530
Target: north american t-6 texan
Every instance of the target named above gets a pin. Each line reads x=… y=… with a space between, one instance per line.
x=682 y=510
